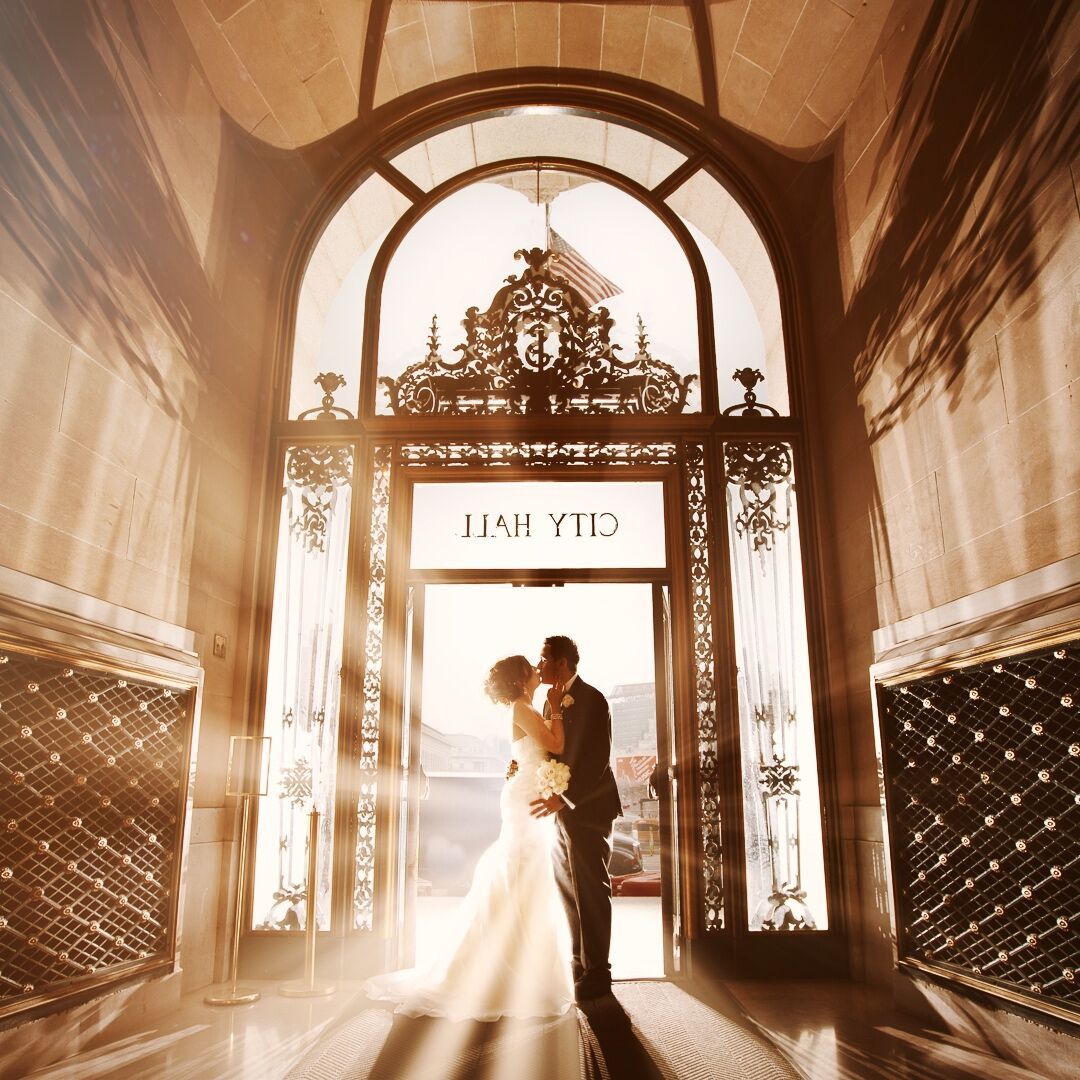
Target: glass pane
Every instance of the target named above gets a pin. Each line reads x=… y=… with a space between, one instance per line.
x=785 y=866
x=330 y=309
x=303 y=685
x=455 y=339
x=532 y=525
x=748 y=328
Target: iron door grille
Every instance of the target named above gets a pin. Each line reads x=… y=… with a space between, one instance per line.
x=982 y=769
x=92 y=766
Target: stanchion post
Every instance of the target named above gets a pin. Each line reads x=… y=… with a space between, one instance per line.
x=307 y=986
x=247 y=776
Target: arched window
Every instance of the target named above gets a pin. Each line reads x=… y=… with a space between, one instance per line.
x=559 y=300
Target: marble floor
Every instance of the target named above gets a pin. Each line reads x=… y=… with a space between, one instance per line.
x=260 y=1041
x=841 y=1031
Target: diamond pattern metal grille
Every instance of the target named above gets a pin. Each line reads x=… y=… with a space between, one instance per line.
x=983 y=768
x=90 y=765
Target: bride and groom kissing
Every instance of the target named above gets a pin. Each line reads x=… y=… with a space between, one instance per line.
x=534 y=931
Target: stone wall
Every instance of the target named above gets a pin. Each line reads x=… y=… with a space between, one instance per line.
x=138 y=248
x=945 y=372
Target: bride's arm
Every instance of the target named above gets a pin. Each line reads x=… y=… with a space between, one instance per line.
x=532 y=723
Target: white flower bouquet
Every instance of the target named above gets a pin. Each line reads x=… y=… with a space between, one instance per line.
x=552 y=778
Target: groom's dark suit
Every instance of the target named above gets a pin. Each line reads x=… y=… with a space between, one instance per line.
x=583 y=844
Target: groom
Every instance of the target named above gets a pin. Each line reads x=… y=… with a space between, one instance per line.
x=585 y=814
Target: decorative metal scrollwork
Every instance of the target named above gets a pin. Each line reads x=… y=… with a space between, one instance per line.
x=540 y=453
x=982 y=768
x=780 y=777
x=705 y=688
x=315 y=474
x=538 y=349
x=366 y=751
x=331 y=384
x=295 y=782
x=749 y=406
x=759 y=469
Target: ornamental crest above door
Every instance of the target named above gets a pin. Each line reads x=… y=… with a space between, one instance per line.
x=538 y=349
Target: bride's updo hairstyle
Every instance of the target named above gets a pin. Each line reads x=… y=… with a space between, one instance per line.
x=506 y=679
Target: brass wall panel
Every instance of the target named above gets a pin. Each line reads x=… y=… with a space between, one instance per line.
x=982 y=774
x=92 y=772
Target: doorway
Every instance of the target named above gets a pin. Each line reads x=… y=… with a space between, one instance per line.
x=459 y=745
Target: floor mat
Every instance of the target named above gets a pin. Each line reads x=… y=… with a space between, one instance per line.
x=646 y=1031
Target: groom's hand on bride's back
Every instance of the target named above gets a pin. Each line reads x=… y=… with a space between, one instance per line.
x=543 y=807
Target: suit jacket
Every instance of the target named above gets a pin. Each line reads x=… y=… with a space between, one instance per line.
x=587 y=752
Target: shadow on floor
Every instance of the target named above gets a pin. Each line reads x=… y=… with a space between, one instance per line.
x=645 y=1031
x=420 y=1048
x=608 y=1040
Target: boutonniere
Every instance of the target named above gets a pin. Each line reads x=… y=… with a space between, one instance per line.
x=567 y=701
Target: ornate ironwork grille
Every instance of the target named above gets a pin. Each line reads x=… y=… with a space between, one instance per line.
x=303 y=689
x=982 y=765
x=92 y=767
x=364 y=881
x=697 y=521
x=538 y=348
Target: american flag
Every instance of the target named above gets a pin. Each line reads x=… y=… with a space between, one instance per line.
x=588 y=281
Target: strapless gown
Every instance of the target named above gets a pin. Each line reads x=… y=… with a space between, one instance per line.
x=510 y=952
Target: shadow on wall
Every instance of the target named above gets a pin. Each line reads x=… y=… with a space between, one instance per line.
x=87 y=198
x=979 y=129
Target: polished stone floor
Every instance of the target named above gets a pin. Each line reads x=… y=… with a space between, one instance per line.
x=828 y=1030
x=261 y=1041
x=841 y=1031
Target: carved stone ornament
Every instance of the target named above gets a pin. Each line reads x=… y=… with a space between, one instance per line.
x=538 y=349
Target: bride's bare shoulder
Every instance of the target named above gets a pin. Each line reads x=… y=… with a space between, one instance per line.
x=521 y=706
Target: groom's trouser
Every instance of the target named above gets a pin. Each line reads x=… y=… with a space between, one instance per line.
x=582 y=852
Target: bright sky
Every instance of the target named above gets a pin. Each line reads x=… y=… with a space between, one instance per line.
x=468 y=627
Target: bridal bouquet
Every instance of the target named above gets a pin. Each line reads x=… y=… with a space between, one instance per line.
x=552 y=778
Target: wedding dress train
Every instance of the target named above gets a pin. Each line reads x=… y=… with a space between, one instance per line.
x=510 y=951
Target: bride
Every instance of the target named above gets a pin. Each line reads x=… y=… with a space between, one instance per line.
x=510 y=952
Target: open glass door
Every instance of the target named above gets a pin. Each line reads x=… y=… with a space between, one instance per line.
x=665 y=784
x=458 y=747
x=413 y=786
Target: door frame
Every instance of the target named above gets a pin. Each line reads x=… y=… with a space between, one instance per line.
x=709 y=810
x=401 y=950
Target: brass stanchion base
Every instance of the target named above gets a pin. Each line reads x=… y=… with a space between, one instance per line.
x=300 y=988
x=233 y=995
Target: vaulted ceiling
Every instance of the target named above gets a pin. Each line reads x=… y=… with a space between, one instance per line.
x=293 y=71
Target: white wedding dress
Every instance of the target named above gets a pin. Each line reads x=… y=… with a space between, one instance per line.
x=510 y=952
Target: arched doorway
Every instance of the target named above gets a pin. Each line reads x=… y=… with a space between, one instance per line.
x=541 y=395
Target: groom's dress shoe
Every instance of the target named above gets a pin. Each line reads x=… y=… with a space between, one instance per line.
x=591 y=989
